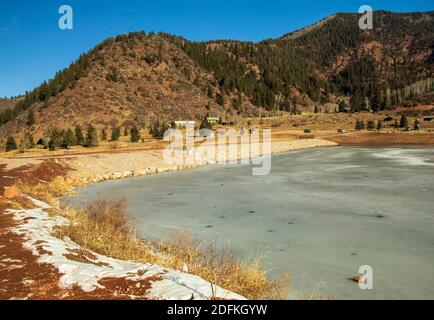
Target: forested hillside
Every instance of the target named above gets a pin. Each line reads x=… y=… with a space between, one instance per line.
x=369 y=65
x=144 y=78
x=333 y=57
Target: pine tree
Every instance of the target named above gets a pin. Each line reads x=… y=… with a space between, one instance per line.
x=379 y=125
x=30 y=119
x=103 y=134
x=210 y=92
x=342 y=106
x=91 y=137
x=360 y=125
x=55 y=139
x=403 y=123
x=135 y=135
x=10 y=144
x=208 y=105
x=357 y=102
x=79 y=138
x=27 y=141
x=205 y=124
x=126 y=131
x=377 y=102
x=154 y=130
x=157 y=131
x=238 y=102
x=221 y=99
x=68 y=139
x=371 y=125
x=357 y=127
x=116 y=133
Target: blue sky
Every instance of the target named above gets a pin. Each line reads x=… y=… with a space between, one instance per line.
x=33 y=48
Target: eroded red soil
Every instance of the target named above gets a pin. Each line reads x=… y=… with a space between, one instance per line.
x=22 y=276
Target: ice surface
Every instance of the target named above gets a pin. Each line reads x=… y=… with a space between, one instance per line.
x=319 y=215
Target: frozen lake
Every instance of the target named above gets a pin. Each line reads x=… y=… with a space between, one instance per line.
x=319 y=215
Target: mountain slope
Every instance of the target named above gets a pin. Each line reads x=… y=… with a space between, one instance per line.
x=379 y=63
x=331 y=58
x=400 y=36
x=129 y=79
x=139 y=78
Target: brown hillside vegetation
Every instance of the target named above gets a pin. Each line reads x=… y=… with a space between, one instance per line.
x=139 y=80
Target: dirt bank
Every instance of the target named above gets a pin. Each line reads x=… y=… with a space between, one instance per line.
x=23 y=276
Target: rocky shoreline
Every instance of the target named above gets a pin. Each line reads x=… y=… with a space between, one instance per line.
x=87 y=169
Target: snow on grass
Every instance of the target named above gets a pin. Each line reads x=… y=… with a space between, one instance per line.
x=36 y=226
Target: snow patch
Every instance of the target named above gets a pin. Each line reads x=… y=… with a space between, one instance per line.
x=36 y=227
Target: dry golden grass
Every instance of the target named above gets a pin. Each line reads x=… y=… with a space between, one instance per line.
x=49 y=192
x=123 y=144
x=20 y=203
x=102 y=226
x=323 y=122
x=223 y=268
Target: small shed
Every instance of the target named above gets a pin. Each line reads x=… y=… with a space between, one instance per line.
x=185 y=123
x=213 y=120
